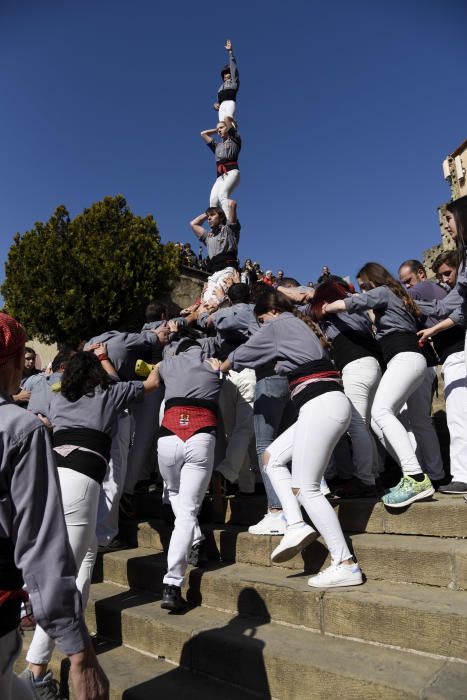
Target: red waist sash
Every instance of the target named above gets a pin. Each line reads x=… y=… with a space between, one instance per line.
x=330 y=374
x=223 y=168
x=185 y=421
x=13 y=595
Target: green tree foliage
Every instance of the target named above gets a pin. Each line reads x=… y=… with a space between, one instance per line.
x=67 y=280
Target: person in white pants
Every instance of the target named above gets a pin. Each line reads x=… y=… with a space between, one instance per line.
x=323 y=417
x=227 y=93
x=83 y=415
x=226 y=153
x=186 y=452
x=396 y=328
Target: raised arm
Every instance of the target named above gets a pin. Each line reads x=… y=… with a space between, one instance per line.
x=197 y=226
x=232 y=217
x=234 y=75
x=206 y=135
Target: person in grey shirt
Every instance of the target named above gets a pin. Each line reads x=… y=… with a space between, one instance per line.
x=34 y=547
x=226 y=153
x=227 y=93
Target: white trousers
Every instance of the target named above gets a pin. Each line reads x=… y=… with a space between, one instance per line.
x=217 y=279
x=112 y=487
x=455 y=393
x=222 y=190
x=309 y=444
x=186 y=468
x=361 y=378
x=236 y=405
x=404 y=374
x=12 y=687
x=416 y=418
x=80 y=496
x=227 y=108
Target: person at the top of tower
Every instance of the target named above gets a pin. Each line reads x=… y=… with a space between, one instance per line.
x=227 y=93
x=226 y=152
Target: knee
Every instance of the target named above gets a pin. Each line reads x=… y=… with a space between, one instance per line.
x=266 y=457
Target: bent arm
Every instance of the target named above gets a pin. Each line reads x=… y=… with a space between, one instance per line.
x=206 y=135
x=197 y=226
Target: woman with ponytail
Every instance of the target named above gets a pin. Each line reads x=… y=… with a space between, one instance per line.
x=355 y=354
x=323 y=417
x=396 y=317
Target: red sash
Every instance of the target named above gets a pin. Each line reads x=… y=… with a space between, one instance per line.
x=12 y=595
x=223 y=168
x=185 y=421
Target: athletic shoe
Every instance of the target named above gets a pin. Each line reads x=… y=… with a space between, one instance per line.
x=455 y=487
x=126 y=507
x=337 y=575
x=407 y=491
x=113 y=546
x=271 y=524
x=45 y=689
x=295 y=539
x=198 y=555
x=172 y=598
x=324 y=488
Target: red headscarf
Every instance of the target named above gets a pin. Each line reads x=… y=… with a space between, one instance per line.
x=12 y=337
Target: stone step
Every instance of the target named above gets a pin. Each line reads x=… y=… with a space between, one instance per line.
x=442 y=516
x=405 y=558
x=272 y=660
x=136 y=676
x=415 y=617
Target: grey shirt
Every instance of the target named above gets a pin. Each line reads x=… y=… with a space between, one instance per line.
x=234 y=81
x=31 y=517
x=286 y=340
x=223 y=239
x=451 y=306
x=335 y=324
x=227 y=150
x=234 y=323
x=189 y=375
x=391 y=314
x=124 y=349
x=42 y=393
x=99 y=411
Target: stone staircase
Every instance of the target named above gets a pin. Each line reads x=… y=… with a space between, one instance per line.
x=256 y=629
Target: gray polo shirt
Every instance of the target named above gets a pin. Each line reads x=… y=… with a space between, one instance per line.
x=223 y=239
x=391 y=314
x=227 y=150
x=124 y=349
x=189 y=375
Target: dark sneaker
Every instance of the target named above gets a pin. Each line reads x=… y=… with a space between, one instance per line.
x=126 y=507
x=354 y=488
x=198 y=555
x=455 y=487
x=113 y=546
x=45 y=689
x=172 y=598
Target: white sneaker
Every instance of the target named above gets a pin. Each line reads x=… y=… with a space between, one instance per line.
x=294 y=540
x=337 y=575
x=324 y=488
x=271 y=524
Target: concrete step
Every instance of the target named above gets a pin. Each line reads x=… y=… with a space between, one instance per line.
x=137 y=676
x=415 y=617
x=273 y=660
x=442 y=516
x=405 y=558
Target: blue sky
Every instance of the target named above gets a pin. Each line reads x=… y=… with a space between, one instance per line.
x=346 y=110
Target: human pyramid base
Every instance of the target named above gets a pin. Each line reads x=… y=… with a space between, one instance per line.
x=252 y=383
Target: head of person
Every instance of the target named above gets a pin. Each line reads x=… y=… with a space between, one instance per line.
x=289 y=282
x=82 y=374
x=456 y=223
x=29 y=360
x=411 y=272
x=374 y=275
x=61 y=359
x=216 y=217
x=326 y=292
x=12 y=341
x=248 y=264
x=225 y=73
x=239 y=293
x=445 y=267
x=155 y=311
x=222 y=129
x=325 y=270
x=270 y=305
x=280 y=274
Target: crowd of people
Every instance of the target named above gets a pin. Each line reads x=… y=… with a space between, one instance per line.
x=306 y=393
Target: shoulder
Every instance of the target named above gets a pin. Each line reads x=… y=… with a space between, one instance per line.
x=17 y=423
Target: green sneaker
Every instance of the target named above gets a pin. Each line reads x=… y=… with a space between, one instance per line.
x=407 y=491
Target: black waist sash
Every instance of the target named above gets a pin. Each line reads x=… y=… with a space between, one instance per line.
x=399 y=341
x=226 y=94
x=87 y=463
x=222 y=260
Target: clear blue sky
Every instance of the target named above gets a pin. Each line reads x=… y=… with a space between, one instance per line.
x=346 y=109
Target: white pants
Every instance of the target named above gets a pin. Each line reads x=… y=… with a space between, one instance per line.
x=222 y=190
x=186 y=468
x=416 y=418
x=217 y=279
x=361 y=378
x=227 y=108
x=404 y=374
x=455 y=393
x=80 y=496
x=12 y=687
x=112 y=487
x=236 y=405
x=309 y=443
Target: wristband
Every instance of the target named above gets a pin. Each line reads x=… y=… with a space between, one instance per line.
x=102 y=357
